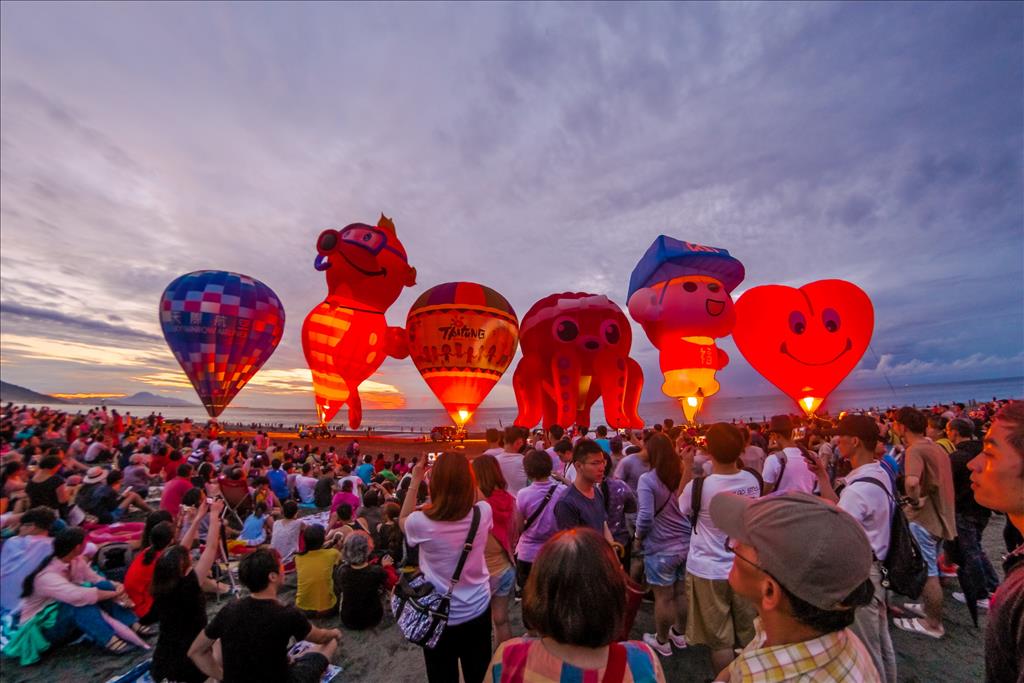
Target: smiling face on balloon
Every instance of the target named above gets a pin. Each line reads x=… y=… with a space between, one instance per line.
x=365 y=263
x=688 y=306
x=804 y=341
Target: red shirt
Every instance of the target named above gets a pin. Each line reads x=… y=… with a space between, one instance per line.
x=173 y=493
x=137 y=581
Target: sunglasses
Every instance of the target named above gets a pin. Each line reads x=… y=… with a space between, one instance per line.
x=371 y=239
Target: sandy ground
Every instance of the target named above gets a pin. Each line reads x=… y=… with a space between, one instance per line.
x=382 y=654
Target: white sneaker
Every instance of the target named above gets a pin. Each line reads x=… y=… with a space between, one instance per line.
x=677 y=639
x=960 y=597
x=663 y=649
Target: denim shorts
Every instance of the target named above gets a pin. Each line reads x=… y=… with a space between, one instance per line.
x=503 y=583
x=665 y=569
x=929 y=547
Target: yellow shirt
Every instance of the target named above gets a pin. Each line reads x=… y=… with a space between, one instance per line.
x=314 y=571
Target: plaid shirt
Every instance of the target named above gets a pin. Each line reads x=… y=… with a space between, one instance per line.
x=838 y=656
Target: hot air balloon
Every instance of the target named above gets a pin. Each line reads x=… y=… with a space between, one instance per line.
x=345 y=338
x=575 y=351
x=222 y=328
x=804 y=341
x=462 y=337
x=680 y=293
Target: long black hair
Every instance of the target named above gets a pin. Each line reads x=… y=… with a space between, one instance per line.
x=152 y=519
x=159 y=538
x=167 y=570
x=66 y=541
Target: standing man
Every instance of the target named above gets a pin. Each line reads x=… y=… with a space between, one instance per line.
x=871 y=505
x=976 y=573
x=554 y=435
x=511 y=459
x=932 y=515
x=786 y=470
x=804 y=565
x=582 y=504
x=997 y=477
x=493 y=437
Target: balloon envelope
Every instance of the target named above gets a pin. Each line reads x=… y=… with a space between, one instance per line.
x=804 y=341
x=462 y=337
x=222 y=327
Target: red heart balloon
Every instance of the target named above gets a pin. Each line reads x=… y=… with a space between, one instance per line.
x=804 y=341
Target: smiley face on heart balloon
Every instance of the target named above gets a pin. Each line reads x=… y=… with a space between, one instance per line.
x=804 y=341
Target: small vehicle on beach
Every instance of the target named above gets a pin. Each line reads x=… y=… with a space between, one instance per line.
x=447 y=433
x=315 y=432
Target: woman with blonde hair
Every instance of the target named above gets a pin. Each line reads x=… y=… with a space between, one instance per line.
x=440 y=530
x=501 y=540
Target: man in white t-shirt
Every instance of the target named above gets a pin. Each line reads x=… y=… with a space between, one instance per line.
x=493 y=437
x=554 y=434
x=217 y=449
x=511 y=460
x=786 y=470
x=562 y=468
x=305 y=484
x=871 y=505
x=717 y=617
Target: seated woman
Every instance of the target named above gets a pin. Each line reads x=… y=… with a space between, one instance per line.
x=314 y=570
x=57 y=608
x=107 y=502
x=139 y=577
x=264 y=494
x=256 y=527
x=179 y=603
x=136 y=475
x=362 y=583
x=285 y=535
x=345 y=495
x=575 y=599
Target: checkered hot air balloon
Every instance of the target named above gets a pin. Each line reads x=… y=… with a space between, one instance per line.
x=222 y=327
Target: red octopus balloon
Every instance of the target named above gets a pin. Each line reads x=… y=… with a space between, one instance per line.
x=346 y=337
x=576 y=350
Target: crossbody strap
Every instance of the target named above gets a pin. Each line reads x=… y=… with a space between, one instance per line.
x=473 y=526
x=540 y=508
x=615 y=671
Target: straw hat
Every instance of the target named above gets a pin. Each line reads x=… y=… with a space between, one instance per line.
x=94 y=476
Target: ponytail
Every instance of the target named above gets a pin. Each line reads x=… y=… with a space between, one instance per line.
x=29 y=584
x=160 y=537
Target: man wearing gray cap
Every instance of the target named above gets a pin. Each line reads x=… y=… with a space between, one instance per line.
x=805 y=566
x=868 y=497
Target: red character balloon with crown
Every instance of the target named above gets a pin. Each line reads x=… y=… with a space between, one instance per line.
x=346 y=337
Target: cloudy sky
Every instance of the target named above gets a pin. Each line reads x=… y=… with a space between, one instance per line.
x=532 y=148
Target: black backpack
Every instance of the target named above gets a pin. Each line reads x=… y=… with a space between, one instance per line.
x=904 y=569
x=698 y=486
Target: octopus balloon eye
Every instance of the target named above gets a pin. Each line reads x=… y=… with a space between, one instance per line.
x=797 y=322
x=831 y=319
x=713 y=286
x=611 y=333
x=566 y=330
x=690 y=286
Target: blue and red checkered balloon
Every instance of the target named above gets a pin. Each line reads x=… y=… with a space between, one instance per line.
x=222 y=328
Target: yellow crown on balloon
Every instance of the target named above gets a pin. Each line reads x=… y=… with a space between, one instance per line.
x=386 y=224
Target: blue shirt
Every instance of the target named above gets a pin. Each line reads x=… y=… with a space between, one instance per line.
x=365 y=472
x=279 y=483
x=19 y=558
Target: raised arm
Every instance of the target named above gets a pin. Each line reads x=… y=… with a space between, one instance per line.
x=209 y=555
x=409 y=504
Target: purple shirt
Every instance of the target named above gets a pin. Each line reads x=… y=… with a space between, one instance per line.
x=544 y=527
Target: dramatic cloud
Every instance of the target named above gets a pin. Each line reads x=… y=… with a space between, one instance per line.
x=534 y=148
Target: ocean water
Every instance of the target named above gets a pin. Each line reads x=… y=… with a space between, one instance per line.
x=715 y=408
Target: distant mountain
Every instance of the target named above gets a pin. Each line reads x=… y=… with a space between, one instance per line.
x=16 y=394
x=12 y=392
x=144 y=398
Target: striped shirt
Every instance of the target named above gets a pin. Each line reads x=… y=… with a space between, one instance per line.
x=526 y=660
x=837 y=656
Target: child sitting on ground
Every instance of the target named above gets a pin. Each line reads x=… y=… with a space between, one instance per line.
x=256 y=527
x=361 y=583
x=284 y=537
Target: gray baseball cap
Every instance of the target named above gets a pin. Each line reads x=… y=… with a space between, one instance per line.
x=817 y=551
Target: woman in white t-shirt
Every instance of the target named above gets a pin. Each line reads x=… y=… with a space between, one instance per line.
x=440 y=530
